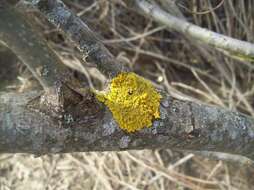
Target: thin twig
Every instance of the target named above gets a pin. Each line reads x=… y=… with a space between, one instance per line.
x=236 y=48
x=202 y=12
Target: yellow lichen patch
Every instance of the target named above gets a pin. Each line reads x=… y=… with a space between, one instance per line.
x=133 y=101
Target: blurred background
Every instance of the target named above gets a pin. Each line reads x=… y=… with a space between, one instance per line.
x=181 y=66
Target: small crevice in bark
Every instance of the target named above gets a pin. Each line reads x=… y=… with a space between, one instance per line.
x=72 y=107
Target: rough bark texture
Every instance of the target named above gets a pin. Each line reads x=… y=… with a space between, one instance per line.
x=91 y=47
x=17 y=34
x=183 y=125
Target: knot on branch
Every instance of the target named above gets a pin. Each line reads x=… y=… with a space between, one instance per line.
x=68 y=104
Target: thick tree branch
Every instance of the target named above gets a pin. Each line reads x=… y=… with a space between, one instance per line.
x=90 y=46
x=234 y=47
x=89 y=126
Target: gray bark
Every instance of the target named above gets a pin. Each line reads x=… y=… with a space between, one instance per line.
x=89 y=126
x=28 y=126
x=234 y=47
x=76 y=29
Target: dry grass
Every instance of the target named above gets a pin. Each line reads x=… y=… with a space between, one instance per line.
x=172 y=62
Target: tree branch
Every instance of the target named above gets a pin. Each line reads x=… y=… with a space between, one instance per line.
x=56 y=79
x=89 y=126
x=89 y=45
x=236 y=48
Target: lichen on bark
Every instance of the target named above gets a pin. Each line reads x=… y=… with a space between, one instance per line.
x=133 y=101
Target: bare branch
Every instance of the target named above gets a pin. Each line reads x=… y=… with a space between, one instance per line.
x=90 y=46
x=234 y=47
x=17 y=34
x=90 y=127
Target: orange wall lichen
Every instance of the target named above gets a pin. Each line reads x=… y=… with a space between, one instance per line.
x=133 y=101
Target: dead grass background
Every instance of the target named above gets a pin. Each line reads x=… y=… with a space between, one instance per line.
x=184 y=68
